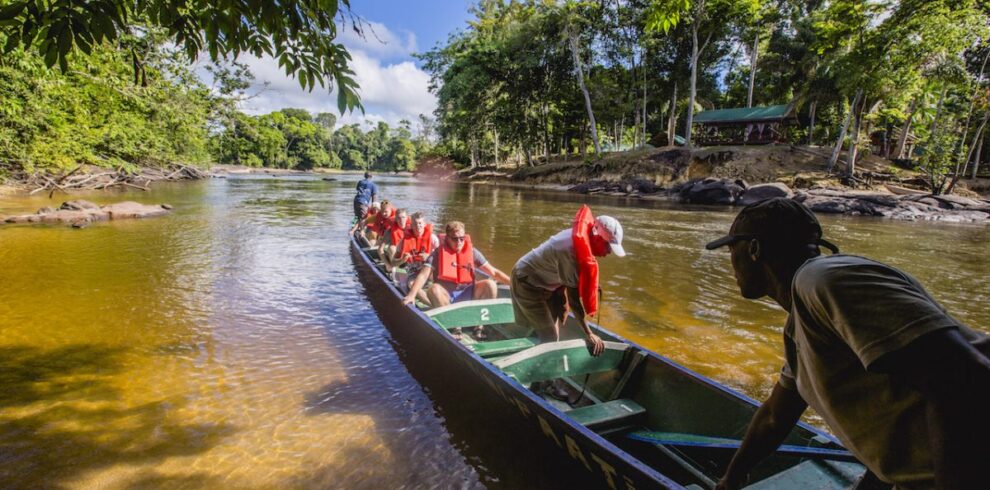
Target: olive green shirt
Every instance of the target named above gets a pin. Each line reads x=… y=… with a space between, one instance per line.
x=848 y=312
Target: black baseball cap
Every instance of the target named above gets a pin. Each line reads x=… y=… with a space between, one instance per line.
x=367 y=175
x=778 y=221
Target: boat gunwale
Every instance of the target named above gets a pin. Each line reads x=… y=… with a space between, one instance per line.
x=549 y=408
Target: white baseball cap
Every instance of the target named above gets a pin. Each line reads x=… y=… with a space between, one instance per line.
x=609 y=228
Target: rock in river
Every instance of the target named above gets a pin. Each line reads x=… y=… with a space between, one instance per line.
x=80 y=213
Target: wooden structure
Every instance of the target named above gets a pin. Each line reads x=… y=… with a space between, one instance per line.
x=743 y=126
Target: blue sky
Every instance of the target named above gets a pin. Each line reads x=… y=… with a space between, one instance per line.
x=393 y=85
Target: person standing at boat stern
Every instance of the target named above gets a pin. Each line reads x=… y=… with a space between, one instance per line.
x=367 y=193
x=563 y=272
x=902 y=384
x=452 y=266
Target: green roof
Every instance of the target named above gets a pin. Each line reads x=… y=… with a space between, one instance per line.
x=744 y=114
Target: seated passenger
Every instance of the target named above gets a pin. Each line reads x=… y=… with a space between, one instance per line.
x=452 y=267
x=415 y=247
x=379 y=225
x=393 y=236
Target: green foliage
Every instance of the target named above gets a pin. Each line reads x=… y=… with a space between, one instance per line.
x=298 y=33
x=293 y=138
x=94 y=114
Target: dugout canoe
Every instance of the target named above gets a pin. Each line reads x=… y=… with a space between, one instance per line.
x=633 y=420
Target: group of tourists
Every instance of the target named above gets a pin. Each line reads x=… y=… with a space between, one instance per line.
x=440 y=269
x=903 y=385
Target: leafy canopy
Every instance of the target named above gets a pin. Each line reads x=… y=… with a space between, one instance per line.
x=298 y=33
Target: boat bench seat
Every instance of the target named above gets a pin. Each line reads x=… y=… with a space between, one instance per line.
x=501 y=347
x=473 y=312
x=552 y=360
x=615 y=412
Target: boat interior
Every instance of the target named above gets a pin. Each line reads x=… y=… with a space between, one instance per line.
x=681 y=424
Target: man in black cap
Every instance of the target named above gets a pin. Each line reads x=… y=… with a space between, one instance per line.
x=902 y=384
x=367 y=193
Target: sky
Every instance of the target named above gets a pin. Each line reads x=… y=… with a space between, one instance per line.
x=393 y=85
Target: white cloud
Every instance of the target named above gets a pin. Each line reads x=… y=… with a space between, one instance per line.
x=378 y=40
x=390 y=84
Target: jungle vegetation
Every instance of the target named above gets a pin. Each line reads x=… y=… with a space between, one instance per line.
x=533 y=79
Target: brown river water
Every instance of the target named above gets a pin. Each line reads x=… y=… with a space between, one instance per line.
x=231 y=344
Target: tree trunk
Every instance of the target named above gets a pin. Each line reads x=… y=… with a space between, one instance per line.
x=902 y=140
x=854 y=140
x=672 y=118
x=752 y=68
x=938 y=112
x=495 y=133
x=842 y=133
x=643 y=64
x=976 y=161
x=811 y=126
x=572 y=38
x=694 y=79
x=961 y=166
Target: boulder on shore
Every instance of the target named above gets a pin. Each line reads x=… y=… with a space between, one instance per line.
x=760 y=192
x=79 y=213
x=710 y=191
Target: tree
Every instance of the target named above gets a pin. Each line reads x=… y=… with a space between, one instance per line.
x=300 y=34
x=666 y=14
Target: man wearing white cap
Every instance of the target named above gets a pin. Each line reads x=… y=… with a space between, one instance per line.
x=565 y=266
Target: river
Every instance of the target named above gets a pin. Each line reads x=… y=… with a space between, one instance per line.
x=231 y=344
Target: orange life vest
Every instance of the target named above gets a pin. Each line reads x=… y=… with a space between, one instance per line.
x=586 y=263
x=414 y=245
x=398 y=231
x=380 y=224
x=453 y=266
x=369 y=218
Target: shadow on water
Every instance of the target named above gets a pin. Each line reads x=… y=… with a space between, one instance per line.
x=62 y=418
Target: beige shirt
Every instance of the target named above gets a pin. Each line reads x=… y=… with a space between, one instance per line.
x=847 y=312
x=552 y=264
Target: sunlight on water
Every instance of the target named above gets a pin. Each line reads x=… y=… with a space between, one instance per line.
x=230 y=344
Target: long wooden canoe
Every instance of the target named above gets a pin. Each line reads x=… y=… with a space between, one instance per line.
x=634 y=419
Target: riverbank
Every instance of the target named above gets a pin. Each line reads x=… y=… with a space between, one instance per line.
x=739 y=175
x=92 y=177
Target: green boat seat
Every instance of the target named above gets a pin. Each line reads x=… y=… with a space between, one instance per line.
x=615 y=412
x=554 y=360
x=473 y=313
x=501 y=347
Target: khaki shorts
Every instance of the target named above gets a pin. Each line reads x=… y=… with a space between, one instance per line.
x=536 y=307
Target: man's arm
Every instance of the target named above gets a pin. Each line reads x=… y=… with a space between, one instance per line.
x=594 y=343
x=768 y=429
x=496 y=274
x=954 y=379
x=417 y=284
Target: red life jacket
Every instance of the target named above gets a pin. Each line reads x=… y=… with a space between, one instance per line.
x=414 y=245
x=398 y=231
x=380 y=224
x=453 y=266
x=586 y=262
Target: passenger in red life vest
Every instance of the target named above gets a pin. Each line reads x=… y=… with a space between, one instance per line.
x=364 y=225
x=452 y=266
x=396 y=229
x=380 y=224
x=416 y=246
x=563 y=272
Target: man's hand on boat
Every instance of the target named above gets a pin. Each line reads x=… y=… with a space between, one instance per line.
x=595 y=345
x=409 y=299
